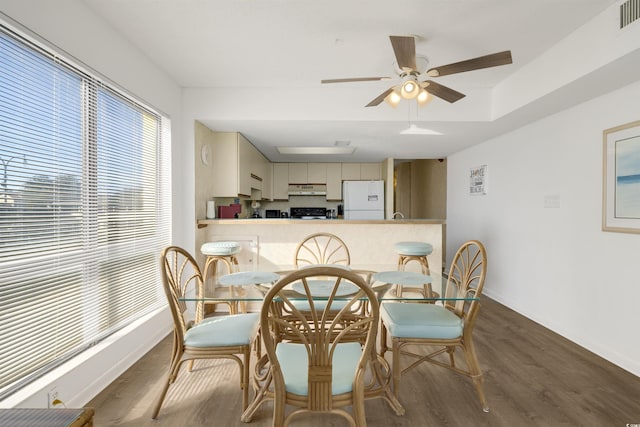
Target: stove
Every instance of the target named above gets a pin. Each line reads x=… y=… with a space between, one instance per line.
x=308 y=213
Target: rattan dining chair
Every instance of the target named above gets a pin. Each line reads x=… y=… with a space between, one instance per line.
x=444 y=327
x=321 y=248
x=318 y=358
x=219 y=337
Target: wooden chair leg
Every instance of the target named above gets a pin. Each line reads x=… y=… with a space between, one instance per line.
x=396 y=370
x=358 y=407
x=174 y=368
x=476 y=373
x=244 y=377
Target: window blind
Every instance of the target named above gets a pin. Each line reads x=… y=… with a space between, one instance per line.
x=84 y=209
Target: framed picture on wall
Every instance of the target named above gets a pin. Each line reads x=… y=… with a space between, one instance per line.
x=478 y=181
x=621 y=179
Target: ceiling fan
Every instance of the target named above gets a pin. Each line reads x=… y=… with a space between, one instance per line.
x=413 y=85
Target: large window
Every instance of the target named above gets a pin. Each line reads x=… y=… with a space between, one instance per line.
x=84 y=209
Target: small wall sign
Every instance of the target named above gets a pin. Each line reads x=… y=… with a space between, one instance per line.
x=478 y=181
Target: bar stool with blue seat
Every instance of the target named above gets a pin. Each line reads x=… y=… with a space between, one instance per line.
x=236 y=281
x=224 y=252
x=413 y=251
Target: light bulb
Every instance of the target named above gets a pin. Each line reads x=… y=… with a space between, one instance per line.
x=409 y=89
x=393 y=99
x=423 y=97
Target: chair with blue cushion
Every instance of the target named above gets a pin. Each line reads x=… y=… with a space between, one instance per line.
x=219 y=337
x=442 y=328
x=317 y=358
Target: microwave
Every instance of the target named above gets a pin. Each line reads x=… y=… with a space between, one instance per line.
x=272 y=213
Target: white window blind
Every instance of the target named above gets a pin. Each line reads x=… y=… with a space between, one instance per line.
x=84 y=209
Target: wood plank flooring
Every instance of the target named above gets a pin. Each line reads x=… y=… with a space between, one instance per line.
x=533 y=377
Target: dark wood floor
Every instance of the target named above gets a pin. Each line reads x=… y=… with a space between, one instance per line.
x=533 y=377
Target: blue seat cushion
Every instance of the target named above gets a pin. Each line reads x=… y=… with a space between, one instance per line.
x=294 y=363
x=411 y=320
x=413 y=248
x=223 y=331
x=220 y=248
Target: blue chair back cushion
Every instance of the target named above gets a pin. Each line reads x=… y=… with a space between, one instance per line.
x=295 y=367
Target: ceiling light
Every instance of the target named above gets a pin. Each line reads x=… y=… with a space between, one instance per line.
x=393 y=99
x=415 y=130
x=424 y=97
x=316 y=150
x=409 y=89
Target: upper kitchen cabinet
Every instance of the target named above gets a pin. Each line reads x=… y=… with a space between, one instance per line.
x=267 y=181
x=316 y=173
x=334 y=181
x=238 y=166
x=361 y=171
x=298 y=173
x=370 y=171
x=280 y=181
x=307 y=173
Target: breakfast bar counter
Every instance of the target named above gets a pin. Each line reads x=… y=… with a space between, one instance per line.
x=274 y=241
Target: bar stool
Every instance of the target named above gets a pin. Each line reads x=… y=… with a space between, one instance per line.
x=413 y=251
x=224 y=252
x=241 y=279
x=409 y=279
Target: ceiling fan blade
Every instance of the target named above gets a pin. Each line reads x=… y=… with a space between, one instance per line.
x=354 y=79
x=443 y=92
x=405 y=51
x=492 y=60
x=380 y=98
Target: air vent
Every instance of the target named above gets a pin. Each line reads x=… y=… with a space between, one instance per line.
x=629 y=12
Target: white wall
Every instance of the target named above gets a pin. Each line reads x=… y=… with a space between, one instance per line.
x=554 y=265
x=70 y=25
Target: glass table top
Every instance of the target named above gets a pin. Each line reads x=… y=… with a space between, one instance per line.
x=252 y=282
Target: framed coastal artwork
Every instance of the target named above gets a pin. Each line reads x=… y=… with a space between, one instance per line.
x=621 y=179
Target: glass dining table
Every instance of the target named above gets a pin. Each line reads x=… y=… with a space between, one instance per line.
x=249 y=285
x=251 y=282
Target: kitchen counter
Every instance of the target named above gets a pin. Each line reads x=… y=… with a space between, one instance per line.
x=274 y=240
x=265 y=221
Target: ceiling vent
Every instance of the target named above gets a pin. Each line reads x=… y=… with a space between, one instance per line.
x=629 y=12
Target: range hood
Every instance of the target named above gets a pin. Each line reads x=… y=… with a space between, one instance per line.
x=307 y=189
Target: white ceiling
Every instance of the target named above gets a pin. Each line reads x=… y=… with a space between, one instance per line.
x=255 y=66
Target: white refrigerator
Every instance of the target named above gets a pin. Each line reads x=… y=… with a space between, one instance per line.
x=363 y=199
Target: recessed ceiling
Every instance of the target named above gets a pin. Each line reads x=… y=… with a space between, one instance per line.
x=255 y=66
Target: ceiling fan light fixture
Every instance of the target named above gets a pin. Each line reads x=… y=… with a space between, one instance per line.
x=409 y=89
x=423 y=97
x=393 y=99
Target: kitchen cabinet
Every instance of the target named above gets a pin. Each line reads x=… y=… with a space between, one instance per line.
x=281 y=181
x=245 y=165
x=298 y=173
x=267 y=180
x=350 y=171
x=361 y=171
x=238 y=166
x=334 y=181
x=370 y=171
x=316 y=173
